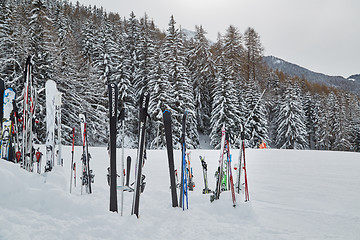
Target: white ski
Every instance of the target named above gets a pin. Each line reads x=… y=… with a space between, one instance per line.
x=51 y=92
x=9 y=97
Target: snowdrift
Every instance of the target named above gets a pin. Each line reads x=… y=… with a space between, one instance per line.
x=293 y=195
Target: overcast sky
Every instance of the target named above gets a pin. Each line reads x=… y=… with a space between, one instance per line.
x=321 y=35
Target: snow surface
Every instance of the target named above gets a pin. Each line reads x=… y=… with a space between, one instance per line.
x=293 y=195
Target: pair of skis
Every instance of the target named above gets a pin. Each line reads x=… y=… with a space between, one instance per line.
x=87 y=177
x=140 y=160
x=242 y=167
x=53 y=121
x=172 y=171
x=221 y=180
x=29 y=104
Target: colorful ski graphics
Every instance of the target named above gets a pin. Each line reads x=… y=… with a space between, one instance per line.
x=7 y=149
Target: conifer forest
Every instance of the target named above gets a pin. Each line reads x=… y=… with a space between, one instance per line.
x=84 y=48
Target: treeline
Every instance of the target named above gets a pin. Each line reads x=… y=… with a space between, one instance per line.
x=85 y=48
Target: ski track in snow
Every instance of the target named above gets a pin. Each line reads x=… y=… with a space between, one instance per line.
x=293 y=195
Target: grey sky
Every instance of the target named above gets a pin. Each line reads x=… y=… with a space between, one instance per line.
x=321 y=35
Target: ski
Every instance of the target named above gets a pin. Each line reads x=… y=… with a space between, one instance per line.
x=229 y=170
x=58 y=121
x=29 y=104
x=15 y=132
x=191 y=183
x=87 y=176
x=7 y=151
x=239 y=167
x=72 y=166
x=184 y=184
x=144 y=103
x=2 y=89
x=128 y=166
x=51 y=91
x=219 y=175
x=113 y=96
x=122 y=119
x=206 y=190
x=169 y=147
x=247 y=198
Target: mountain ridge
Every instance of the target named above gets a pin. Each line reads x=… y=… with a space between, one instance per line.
x=351 y=84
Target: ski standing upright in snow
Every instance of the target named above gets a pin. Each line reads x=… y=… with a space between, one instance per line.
x=113 y=96
x=51 y=91
x=219 y=175
x=242 y=167
x=229 y=170
x=7 y=149
x=184 y=184
x=206 y=190
x=87 y=176
x=122 y=119
x=29 y=104
x=72 y=166
x=169 y=147
x=58 y=104
x=144 y=103
x=2 y=89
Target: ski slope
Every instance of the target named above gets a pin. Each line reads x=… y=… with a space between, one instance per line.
x=293 y=195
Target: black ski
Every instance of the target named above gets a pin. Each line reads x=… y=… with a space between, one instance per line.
x=113 y=96
x=144 y=103
x=169 y=146
x=128 y=166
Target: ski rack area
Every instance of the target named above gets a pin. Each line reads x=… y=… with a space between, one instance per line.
x=18 y=134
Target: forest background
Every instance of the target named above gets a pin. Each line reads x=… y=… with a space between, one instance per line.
x=84 y=48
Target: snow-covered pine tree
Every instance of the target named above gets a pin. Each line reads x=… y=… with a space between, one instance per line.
x=178 y=76
x=310 y=111
x=342 y=126
x=161 y=96
x=7 y=41
x=233 y=52
x=45 y=55
x=256 y=130
x=321 y=123
x=202 y=70
x=291 y=128
x=131 y=73
x=225 y=104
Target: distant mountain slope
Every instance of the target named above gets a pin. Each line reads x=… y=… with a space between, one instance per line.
x=351 y=84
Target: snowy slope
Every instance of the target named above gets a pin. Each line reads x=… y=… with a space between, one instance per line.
x=293 y=195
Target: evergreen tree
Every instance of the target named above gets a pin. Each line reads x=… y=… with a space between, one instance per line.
x=202 y=71
x=225 y=108
x=178 y=76
x=131 y=73
x=291 y=129
x=256 y=130
x=253 y=54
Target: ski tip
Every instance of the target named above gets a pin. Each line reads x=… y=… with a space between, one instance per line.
x=166 y=111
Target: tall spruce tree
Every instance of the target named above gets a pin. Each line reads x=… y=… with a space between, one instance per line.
x=202 y=70
x=179 y=77
x=291 y=129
